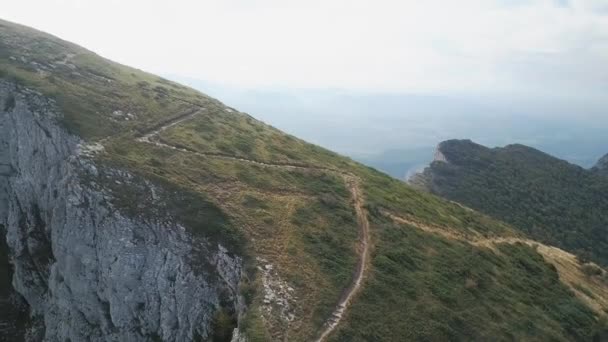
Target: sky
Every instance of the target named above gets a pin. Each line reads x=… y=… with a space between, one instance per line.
x=549 y=47
x=370 y=77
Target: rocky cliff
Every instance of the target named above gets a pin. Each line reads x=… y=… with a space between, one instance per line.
x=83 y=268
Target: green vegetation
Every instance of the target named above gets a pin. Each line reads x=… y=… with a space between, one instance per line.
x=332 y=246
x=69 y=74
x=383 y=192
x=254 y=325
x=223 y=325
x=551 y=200
x=426 y=288
x=299 y=221
x=601 y=167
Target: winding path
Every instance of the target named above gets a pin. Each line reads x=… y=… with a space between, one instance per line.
x=351 y=181
x=362 y=264
x=567 y=265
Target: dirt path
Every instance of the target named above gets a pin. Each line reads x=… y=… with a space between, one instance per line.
x=474 y=239
x=164 y=125
x=351 y=181
x=362 y=265
x=569 y=268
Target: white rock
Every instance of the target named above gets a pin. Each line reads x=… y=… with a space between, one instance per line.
x=87 y=271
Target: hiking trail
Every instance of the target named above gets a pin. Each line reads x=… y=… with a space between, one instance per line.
x=351 y=181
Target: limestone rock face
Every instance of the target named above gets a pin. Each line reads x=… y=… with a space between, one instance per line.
x=86 y=270
x=439 y=156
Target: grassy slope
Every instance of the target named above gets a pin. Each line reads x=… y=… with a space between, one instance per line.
x=553 y=201
x=300 y=221
x=432 y=289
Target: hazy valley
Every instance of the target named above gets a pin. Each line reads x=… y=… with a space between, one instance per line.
x=397 y=133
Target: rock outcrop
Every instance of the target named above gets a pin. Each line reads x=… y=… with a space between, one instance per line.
x=82 y=267
x=439 y=156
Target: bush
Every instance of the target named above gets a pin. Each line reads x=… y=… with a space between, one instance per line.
x=223 y=325
x=591 y=270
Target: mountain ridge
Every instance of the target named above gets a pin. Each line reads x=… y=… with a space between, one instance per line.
x=132 y=213
x=519 y=179
x=602 y=164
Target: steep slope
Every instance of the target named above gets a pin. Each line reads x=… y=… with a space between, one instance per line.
x=550 y=199
x=602 y=165
x=138 y=209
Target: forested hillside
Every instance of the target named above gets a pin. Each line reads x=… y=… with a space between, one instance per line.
x=550 y=199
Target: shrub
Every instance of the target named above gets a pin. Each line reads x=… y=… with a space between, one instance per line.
x=591 y=270
x=223 y=325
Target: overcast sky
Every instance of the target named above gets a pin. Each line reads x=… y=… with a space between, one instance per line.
x=545 y=48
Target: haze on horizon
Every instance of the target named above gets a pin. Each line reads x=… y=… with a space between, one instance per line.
x=370 y=77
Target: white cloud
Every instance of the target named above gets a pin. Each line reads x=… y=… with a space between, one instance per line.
x=507 y=46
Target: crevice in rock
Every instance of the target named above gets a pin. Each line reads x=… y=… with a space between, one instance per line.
x=14 y=312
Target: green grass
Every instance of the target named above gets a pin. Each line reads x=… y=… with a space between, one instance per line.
x=192 y=209
x=549 y=199
x=313 y=245
x=86 y=87
x=332 y=247
x=221 y=131
x=425 y=288
x=420 y=287
x=391 y=194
